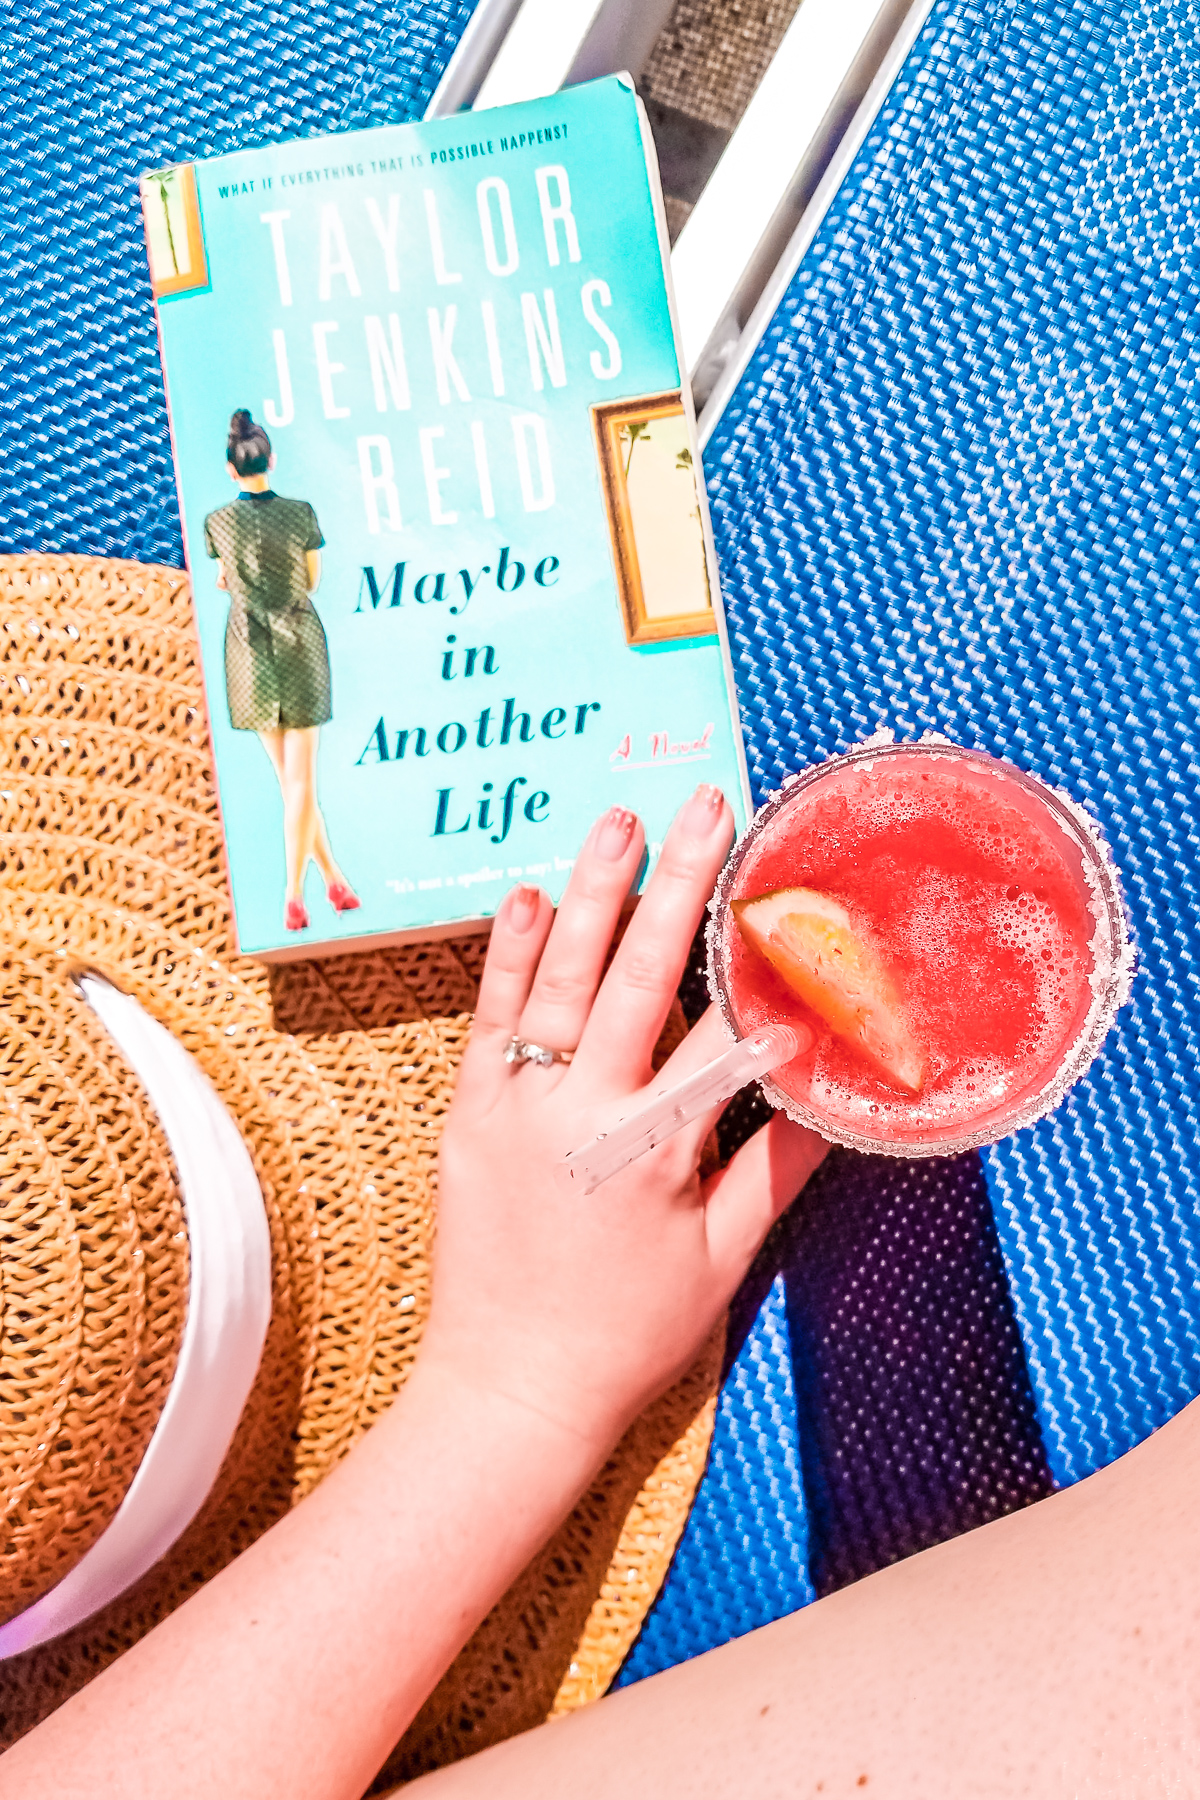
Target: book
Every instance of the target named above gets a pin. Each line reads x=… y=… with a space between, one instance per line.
x=451 y=562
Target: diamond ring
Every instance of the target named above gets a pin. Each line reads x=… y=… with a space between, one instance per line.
x=520 y=1050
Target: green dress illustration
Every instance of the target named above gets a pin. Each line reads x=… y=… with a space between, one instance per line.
x=276 y=654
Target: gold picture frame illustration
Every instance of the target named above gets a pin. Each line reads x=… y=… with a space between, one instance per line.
x=174 y=232
x=648 y=479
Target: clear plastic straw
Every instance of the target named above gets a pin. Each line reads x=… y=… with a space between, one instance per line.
x=661 y=1117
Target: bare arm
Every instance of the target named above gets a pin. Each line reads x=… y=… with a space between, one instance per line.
x=1049 y=1656
x=295 y=1671
x=313 y=559
x=552 y=1324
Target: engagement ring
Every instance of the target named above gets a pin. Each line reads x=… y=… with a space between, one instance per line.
x=519 y=1050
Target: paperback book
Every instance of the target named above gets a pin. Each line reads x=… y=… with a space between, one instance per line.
x=451 y=561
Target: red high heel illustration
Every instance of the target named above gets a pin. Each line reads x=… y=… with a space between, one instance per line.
x=295 y=915
x=342 y=898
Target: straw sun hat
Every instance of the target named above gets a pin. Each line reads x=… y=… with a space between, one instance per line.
x=337 y=1075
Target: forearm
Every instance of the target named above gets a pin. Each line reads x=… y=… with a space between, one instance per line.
x=296 y=1669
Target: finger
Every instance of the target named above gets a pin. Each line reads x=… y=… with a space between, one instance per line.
x=744 y=1200
x=636 y=995
x=708 y=1039
x=522 y=925
x=569 y=972
x=680 y=1149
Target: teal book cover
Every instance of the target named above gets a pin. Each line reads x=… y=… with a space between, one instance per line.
x=450 y=557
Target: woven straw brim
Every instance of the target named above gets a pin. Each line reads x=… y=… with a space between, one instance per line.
x=338 y=1073
x=93 y=1278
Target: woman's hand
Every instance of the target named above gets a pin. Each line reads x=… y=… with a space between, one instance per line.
x=583 y=1309
x=555 y=1320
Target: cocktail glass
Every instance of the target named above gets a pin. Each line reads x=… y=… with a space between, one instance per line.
x=1033 y=871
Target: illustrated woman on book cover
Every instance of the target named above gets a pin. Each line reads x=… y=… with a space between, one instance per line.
x=268 y=551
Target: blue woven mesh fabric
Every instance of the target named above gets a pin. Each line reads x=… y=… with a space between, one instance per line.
x=96 y=92
x=743 y=1557
x=956 y=491
x=917 y=1420
x=878 y=1401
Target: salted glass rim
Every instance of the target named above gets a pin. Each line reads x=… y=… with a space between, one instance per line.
x=1111 y=950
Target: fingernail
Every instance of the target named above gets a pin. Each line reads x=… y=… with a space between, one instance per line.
x=613 y=833
x=702 y=814
x=523 y=907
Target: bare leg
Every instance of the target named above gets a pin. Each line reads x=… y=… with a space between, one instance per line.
x=296 y=860
x=1049 y=1656
x=300 y=781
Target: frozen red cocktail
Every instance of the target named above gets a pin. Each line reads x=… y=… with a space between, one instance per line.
x=950 y=928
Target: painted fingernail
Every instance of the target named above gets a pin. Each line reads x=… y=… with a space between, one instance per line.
x=702 y=814
x=613 y=834
x=523 y=907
